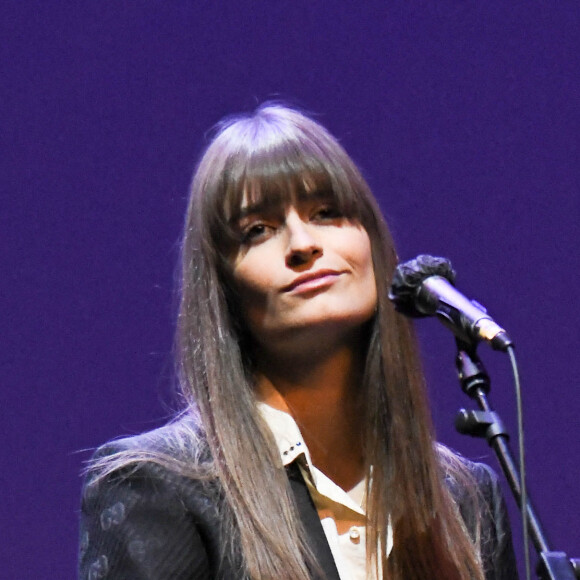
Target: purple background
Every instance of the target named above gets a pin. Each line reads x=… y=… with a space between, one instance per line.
x=464 y=116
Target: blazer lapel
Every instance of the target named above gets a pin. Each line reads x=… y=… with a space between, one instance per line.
x=312 y=525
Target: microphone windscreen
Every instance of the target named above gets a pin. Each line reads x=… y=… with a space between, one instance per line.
x=409 y=276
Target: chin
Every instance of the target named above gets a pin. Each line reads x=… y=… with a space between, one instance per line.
x=311 y=334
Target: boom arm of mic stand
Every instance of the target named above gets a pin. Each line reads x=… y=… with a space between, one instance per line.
x=486 y=423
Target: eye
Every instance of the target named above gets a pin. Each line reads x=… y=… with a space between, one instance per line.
x=255 y=232
x=327 y=213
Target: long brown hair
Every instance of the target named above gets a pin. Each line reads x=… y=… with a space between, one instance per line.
x=271 y=153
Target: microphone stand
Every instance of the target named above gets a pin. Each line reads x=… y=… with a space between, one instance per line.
x=486 y=423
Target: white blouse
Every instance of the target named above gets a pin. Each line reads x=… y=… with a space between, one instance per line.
x=342 y=513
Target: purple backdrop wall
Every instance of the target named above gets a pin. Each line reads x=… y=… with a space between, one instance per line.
x=463 y=116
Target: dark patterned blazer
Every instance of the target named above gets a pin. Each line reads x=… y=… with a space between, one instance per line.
x=149 y=523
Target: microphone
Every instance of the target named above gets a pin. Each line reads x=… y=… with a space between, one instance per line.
x=425 y=287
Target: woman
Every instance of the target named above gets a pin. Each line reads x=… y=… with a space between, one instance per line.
x=305 y=449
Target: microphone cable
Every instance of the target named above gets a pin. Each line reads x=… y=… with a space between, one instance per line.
x=522 y=458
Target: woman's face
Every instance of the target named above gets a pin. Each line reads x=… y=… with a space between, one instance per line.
x=304 y=273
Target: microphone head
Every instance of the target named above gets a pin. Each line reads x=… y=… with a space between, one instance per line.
x=409 y=276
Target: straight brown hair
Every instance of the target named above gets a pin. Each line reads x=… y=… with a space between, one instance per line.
x=274 y=153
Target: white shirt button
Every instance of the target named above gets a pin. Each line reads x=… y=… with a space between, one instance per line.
x=354 y=535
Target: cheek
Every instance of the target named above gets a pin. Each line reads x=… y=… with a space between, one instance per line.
x=253 y=271
x=246 y=270
x=254 y=281
x=364 y=261
x=362 y=255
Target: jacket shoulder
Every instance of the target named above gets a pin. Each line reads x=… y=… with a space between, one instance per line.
x=476 y=490
x=142 y=516
x=179 y=439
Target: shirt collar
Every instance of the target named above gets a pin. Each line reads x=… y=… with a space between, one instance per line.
x=286 y=434
x=292 y=448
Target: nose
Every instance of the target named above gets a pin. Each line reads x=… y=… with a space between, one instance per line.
x=303 y=244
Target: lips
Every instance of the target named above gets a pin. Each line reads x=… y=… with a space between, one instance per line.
x=311 y=279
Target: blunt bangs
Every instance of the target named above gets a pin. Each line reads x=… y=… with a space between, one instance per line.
x=272 y=159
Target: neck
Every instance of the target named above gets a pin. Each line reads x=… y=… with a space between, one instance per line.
x=323 y=396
